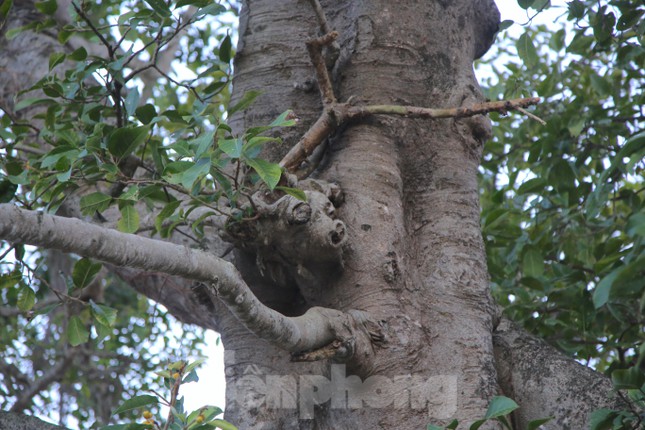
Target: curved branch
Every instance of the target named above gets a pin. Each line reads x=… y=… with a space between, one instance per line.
x=314 y=329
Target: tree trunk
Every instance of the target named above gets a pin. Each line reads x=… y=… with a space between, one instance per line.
x=414 y=259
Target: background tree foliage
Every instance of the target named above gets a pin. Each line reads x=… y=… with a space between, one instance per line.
x=563 y=214
x=563 y=203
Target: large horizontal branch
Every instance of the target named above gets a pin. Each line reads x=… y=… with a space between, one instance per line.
x=546 y=383
x=316 y=328
x=336 y=114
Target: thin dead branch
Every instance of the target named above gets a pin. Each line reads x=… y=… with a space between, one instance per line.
x=336 y=114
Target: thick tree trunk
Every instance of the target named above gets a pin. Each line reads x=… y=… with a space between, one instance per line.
x=416 y=259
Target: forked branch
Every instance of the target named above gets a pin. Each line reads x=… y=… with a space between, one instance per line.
x=336 y=114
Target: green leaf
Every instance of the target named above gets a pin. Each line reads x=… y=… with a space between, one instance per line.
x=26 y=298
x=167 y=211
x=103 y=314
x=211 y=9
x=48 y=7
x=95 y=202
x=198 y=3
x=254 y=145
x=526 y=51
x=294 y=192
x=132 y=101
x=225 y=49
x=78 y=55
x=33 y=101
x=7 y=191
x=132 y=193
x=576 y=125
x=224 y=425
x=525 y=4
x=190 y=377
x=286 y=119
x=5 y=7
x=477 y=424
x=532 y=263
x=600 y=85
x=145 y=113
x=505 y=24
x=619 y=276
x=453 y=425
x=58 y=153
x=602 y=419
x=636 y=225
x=246 y=100
x=55 y=59
x=231 y=147
x=535 y=185
x=129 y=222
x=500 y=406
x=576 y=9
x=102 y=331
x=628 y=379
x=535 y=424
x=202 y=143
x=77 y=333
x=160 y=7
x=188 y=177
x=84 y=272
x=135 y=403
x=122 y=141
x=270 y=173
x=10 y=279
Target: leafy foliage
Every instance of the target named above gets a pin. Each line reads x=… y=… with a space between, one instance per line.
x=174 y=376
x=88 y=129
x=563 y=204
x=498 y=410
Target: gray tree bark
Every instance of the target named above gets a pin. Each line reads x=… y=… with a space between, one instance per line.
x=414 y=260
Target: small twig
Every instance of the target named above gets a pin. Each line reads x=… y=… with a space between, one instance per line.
x=530 y=115
x=314 y=47
x=502 y=106
x=333 y=48
x=4 y=254
x=94 y=30
x=320 y=14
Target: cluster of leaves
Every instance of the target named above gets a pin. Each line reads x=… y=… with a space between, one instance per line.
x=174 y=375
x=498 y=410
x=96 y=125
x=88 y=349
x=95 y=122
x=563 y=204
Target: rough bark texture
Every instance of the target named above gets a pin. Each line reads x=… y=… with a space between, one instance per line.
x=416 y=258
x=13 y=421
x=546 y=383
